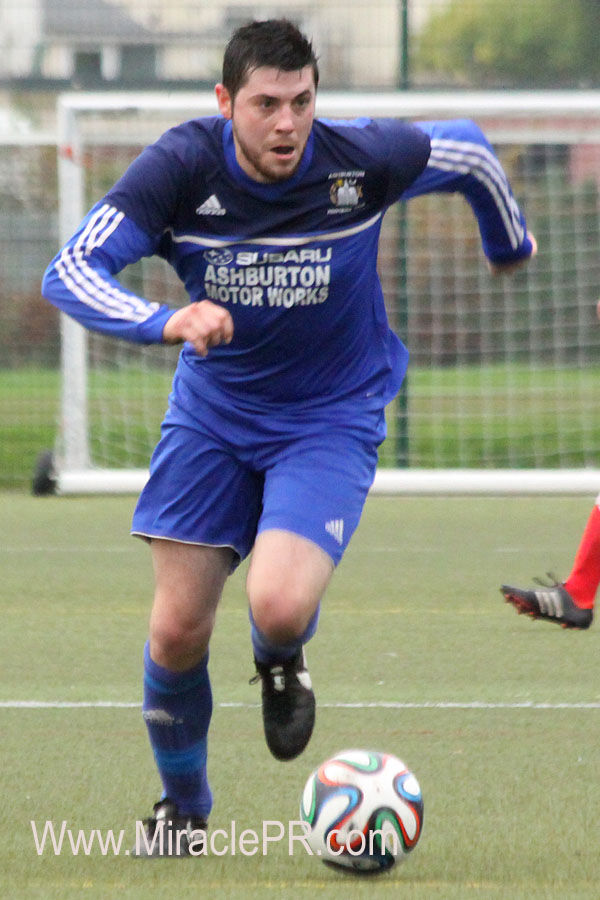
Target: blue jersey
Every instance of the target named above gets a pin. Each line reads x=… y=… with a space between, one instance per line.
x=294 y=262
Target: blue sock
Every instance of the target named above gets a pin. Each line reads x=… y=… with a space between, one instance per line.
x=177 y=710
x=268 y=652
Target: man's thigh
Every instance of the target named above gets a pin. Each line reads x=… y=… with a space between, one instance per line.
x=189 y=580
x=289 y=573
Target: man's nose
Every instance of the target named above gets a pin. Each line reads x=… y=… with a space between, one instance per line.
x=285 y=120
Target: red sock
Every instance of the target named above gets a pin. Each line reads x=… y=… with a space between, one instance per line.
x=584 y=579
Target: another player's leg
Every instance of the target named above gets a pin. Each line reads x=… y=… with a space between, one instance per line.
x=177 y=693
x=571 y=603
x=287 y=578
x=582 y=583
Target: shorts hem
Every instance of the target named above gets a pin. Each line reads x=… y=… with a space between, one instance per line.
x=148 y=536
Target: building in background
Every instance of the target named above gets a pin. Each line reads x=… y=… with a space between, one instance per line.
x=140 y=44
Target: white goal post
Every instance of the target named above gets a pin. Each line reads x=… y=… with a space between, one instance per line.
x=502 y=391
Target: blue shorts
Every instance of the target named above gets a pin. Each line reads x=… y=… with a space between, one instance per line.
x=220 y=475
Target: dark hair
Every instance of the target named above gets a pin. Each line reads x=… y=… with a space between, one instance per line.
x=277 y=43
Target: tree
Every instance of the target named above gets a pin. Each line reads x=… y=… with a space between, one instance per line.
x=512 y=43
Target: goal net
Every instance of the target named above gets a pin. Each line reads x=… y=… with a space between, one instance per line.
x=502 y=389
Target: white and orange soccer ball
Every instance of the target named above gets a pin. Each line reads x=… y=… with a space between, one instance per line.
x=364 y=810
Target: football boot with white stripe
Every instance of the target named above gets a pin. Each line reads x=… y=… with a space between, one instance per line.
x=288 y=705
x=551 y=602
x=168 y=833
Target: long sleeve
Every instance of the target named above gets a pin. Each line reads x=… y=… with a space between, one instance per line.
x=462 y=160
x=80 y=279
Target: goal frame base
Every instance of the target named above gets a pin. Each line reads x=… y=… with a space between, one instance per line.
x=387 y=481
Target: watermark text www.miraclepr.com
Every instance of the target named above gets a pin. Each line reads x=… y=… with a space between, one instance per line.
x=58 y=839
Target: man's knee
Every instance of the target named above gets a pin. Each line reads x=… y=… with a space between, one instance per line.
x=281 y=616
x=177 y=643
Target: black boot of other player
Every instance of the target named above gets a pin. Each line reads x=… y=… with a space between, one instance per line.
x=552 y=602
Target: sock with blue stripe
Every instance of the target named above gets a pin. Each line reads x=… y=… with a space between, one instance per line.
x=266 y=651
x=177 y=710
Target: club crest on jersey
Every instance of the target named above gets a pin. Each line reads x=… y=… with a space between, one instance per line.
x=345 y=191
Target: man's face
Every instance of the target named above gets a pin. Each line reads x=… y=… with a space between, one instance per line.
x=272 y=115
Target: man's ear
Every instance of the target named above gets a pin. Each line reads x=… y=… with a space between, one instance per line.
x=224 y=101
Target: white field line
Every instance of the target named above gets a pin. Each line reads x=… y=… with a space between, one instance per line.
x=379 y=704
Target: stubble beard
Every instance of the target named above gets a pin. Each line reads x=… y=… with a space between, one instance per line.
x=268 y=174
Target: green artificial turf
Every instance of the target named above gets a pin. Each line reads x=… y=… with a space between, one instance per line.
x=416 y=654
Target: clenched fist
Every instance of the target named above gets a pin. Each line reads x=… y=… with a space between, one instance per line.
x=203 y=324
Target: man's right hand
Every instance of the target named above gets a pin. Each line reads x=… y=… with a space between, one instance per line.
x=204 y=324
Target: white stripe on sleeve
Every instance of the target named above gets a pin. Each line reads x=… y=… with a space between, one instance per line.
x=87 y=285
x=470 y=158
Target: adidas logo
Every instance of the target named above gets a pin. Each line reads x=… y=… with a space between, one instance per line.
x=211 y=207
x=336 y=529
x=550 y=603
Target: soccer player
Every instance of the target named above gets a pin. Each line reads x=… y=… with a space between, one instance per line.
x=271 y=218
x=571 y=603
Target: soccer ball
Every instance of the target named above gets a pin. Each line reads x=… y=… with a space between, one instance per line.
x=364 y=810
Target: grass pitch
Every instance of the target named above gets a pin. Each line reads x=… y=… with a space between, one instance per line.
x=417 y=654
